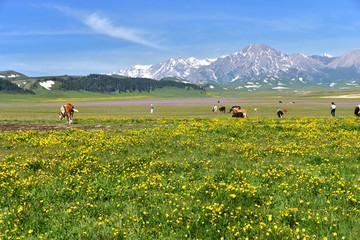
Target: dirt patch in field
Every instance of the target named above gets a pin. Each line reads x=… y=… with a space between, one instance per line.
x=47 y=127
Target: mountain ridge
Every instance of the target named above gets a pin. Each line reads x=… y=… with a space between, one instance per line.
x=253 y=62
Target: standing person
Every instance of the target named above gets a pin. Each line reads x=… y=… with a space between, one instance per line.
x=151 y=108
x=333 y=108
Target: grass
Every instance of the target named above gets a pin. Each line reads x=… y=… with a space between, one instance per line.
x=183 y=178
x=182 y=172
x=265 y=108
x=44 y=96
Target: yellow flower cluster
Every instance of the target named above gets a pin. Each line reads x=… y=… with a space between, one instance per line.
x=183 y=178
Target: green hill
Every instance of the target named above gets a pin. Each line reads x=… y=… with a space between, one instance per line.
x=9 y=87
x=107 y=84
x=10 y=74
x=93 y=83
x=95 y=87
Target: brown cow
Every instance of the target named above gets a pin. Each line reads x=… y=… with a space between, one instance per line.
x=285 y=110
x=232 y=108
x=68 y=111
x=239 y=113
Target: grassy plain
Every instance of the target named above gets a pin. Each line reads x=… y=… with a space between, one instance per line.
x=178 y=109
x=46 y=96
x=45 y=104
x=182 y=172
x=183 y=178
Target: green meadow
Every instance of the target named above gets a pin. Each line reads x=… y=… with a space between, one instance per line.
x=182 y=172
x=46 y=96
x=45 y=104
x=265 y=109
x=183 y=178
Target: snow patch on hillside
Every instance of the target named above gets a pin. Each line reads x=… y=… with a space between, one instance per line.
x=19 y=84
x=9 y=76
x=279 y=88
x=47 y=84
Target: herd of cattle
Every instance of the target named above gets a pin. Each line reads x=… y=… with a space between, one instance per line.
x=242 y=113
x=68 y=111
x=236 y=110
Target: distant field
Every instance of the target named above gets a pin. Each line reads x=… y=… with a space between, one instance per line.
x=178 y=108
x=46 y=96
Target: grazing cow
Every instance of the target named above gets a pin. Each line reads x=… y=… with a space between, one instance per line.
x=280 y=113
x=285 y=110
x=280 y=101
x=240 y=113
x=234 y=107
x=357 y=111
x=68 y=112
x=214 y=109
x=255 y=109
x=222 y=109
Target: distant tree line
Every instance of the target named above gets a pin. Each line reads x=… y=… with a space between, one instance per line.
x=8 y=86
x=105 y=83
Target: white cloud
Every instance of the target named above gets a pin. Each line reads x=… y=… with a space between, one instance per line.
x=104 y=26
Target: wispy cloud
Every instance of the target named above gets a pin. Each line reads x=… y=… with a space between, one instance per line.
x=103 y=25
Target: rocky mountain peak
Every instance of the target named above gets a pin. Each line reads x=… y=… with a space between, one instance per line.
x=348 y=60
x=253 y=62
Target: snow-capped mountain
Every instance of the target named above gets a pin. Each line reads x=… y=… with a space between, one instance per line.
x=171 y=68
x=254 y=62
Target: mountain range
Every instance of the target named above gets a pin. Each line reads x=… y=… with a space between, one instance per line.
x=252 y=63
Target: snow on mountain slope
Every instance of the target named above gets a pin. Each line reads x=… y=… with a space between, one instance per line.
x=135 y=71
x=171 y=68
x=253 y=62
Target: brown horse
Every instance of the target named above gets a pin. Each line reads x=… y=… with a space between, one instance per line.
x=68 y=111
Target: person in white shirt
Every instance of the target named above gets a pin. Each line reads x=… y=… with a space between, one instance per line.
x=333 y=108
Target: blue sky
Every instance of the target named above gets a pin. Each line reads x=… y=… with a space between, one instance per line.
x=79 y=37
